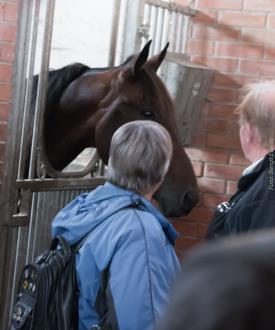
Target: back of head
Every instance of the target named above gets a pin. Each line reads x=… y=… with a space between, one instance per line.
x=140 y=154
x=226 y=285
x=258 y=109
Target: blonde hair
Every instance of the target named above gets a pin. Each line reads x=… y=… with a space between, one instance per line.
x=258 y=109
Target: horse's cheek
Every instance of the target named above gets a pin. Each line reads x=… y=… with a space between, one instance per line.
x=103 y=141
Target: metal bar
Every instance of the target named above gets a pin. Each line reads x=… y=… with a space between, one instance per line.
x=159 y=26
x=173 y=6
x=145 y=28
x=25 y=143
x=37 y=207
x=8 y=268
x=178 y=32
x=185 y=34
x=43 y=219
x=8 y=199
x=71 y=174
x=15 y=263
x=153 y=24
x=173 y=29
x=29 y=255
x=59 y=184
x=42 y=86
x=139 y=13
x=114 y=33
x=11 y=155
x=165 y=32
x=169 y=28
x=133 y=18
x=122 y=31
x=180 y=38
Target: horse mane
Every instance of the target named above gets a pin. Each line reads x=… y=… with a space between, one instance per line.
x=58 y=80
x=102 y=69
x=128 y=59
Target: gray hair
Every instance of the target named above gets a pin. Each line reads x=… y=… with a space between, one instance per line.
x=140 y=155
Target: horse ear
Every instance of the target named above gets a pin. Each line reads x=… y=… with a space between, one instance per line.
x=155 y=61
x=142 y=58
x=136 y=64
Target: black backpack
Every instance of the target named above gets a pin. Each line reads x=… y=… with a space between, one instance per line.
x=47 y=296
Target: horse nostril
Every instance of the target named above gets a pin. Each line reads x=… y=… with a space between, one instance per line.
x=189 y=200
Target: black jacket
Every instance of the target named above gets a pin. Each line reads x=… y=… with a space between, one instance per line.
x=253 y=205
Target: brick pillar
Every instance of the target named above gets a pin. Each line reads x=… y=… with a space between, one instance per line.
x=8 y=31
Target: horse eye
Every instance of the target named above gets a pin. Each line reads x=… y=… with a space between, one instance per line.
x=147 y=114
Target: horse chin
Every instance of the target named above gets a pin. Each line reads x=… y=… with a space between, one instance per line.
x=175 y=212
x=171 y=208
x=166 y=207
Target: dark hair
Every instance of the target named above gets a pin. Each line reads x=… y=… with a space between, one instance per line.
x=228 y=284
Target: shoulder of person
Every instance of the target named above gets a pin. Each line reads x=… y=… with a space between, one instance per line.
x=135 y=216
x=254 y=215
x=138 y=223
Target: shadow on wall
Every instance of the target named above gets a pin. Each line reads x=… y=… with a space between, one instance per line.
x=233 y=45
x=231 y=42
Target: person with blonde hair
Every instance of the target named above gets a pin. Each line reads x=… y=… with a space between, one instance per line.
x=253 y=205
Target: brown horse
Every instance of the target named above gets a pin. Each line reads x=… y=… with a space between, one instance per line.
x=85 y=106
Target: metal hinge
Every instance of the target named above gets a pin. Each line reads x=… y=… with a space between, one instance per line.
x=143 y=31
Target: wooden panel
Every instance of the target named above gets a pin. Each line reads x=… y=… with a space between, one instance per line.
x=188 y=85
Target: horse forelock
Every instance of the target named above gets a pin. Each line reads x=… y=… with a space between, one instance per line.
x=164 y=106
x=144 y=88
x=159 y=90
x=128 y=60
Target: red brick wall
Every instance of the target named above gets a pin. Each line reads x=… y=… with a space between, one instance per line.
x=8 y=29
x=237 y=38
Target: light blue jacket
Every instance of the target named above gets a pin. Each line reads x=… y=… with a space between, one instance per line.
x=128 y=233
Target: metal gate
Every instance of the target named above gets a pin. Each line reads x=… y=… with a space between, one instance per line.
x=161 y=21
x=30 y=201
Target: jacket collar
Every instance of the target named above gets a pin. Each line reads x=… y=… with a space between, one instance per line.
x=251 y=167
x=144 y=204
x=247 y=179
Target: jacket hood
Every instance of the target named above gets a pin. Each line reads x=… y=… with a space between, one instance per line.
x=89 y=210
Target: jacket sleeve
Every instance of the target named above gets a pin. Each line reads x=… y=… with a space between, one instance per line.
x=141 y=273
x=224 y=212
x=253 y=216
x=216 y=227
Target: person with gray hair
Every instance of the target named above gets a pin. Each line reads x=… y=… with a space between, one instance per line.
x=140 y=155
x=253 y=206
x=127 y=263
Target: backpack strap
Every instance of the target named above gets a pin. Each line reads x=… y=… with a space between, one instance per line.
x=77 y=246
x=61 y=241
x=107 y=317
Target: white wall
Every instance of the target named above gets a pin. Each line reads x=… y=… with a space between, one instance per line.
x=81 y=32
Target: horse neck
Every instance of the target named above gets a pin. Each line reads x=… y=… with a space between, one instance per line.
x=64 y=145
x=71 y=123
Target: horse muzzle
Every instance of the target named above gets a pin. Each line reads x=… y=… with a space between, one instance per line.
x=175 y=205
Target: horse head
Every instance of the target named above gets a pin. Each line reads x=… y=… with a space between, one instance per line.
x=93 y=103
x=135 y=93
